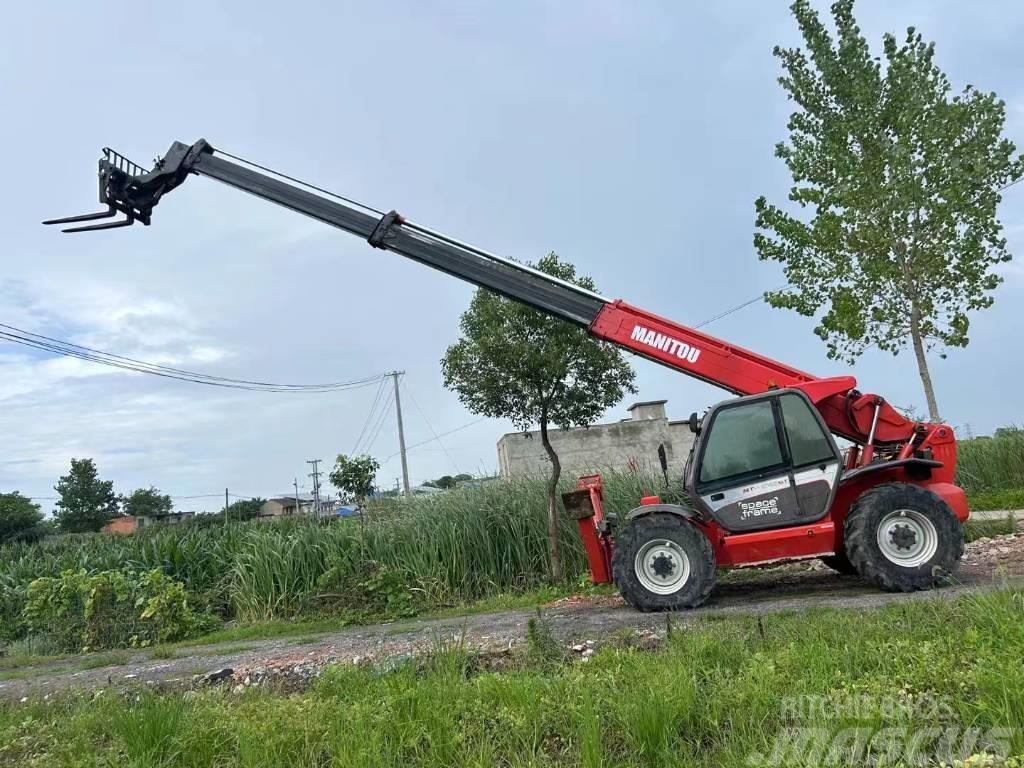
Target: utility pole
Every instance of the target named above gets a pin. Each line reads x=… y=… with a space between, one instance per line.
x=226 y=506
x=315 y=474
x=297 y=505
x=401 y=433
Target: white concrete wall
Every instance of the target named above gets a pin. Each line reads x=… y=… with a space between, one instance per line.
x=618 y=445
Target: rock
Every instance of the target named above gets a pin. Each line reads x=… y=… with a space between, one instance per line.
x=218 y=676
x=589 y=643
x=578 y=648
x=238 y=688
x=247 y=681
x=587 y=653
x=646 y=640
x=23 y=699
x=130 y=676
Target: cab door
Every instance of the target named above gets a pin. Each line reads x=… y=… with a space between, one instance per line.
x=764 y=461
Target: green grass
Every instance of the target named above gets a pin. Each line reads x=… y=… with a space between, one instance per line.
x=34 y=666
x=1009 y=498
x=24 y=663
x=719 y=692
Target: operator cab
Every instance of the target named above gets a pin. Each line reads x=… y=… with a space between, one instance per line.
x=763 y=461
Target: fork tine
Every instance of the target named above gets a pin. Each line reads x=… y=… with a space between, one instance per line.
x=107 y=225
x=111 y=211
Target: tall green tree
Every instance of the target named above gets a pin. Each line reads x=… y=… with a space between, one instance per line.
x=19 y=517
x=146 y=502
x=516 y=363
x=354 y=475
x=892 y=233
x=86 y=503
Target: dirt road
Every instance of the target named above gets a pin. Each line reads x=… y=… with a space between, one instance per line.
x=988 y=564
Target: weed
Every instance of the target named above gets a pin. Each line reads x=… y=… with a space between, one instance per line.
x=151 y=729
x=541 y=646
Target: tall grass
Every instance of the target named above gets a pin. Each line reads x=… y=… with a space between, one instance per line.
x=461 y=545
x=991 y=464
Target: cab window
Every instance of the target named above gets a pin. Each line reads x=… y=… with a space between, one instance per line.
x=808 y=443
x=743 y=439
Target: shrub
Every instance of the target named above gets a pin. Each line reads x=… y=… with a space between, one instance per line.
x=371 y=590
x=12 y=600
x=82 y=611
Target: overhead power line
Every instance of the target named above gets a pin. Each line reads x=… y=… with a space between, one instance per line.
x=437 y=437
x=368 y=445
x=738 y=307
x=416 y=403
x=369 y=416
x=67 y=349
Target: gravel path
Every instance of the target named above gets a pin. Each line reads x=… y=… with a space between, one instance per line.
x=988 y=564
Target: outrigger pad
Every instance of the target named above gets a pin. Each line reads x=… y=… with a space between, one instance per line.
x=578 y=504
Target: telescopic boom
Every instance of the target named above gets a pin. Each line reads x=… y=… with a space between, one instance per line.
x=865 y=419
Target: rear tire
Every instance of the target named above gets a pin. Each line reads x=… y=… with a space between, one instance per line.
x=903 y=537
x=663 y=563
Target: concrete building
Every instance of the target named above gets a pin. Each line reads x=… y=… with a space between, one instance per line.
x=628 y=444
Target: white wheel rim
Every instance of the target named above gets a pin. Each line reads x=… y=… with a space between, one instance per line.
x=907 y=538
x=662 y=567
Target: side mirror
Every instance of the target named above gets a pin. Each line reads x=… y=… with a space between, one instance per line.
x=694 y=423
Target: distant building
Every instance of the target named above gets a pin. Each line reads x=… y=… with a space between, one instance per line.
x=623 y=445
x=285 y=506
x=130 y=524
x=303 y=504
x=125 y=524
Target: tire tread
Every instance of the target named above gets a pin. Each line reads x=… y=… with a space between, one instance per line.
x=642 y=529
x=862 y=548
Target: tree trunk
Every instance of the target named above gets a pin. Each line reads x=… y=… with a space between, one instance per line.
x=922 y=364
x=556 y=472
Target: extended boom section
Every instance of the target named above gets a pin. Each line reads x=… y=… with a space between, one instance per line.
x=864 y=419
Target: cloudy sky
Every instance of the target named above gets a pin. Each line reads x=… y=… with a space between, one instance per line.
x=631 y=137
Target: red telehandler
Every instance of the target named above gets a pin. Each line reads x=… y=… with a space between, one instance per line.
x=765 y=476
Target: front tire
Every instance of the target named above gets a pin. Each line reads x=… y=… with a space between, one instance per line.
x=663 y=563
x=903 y=537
